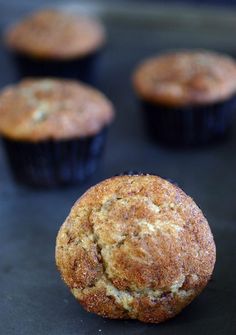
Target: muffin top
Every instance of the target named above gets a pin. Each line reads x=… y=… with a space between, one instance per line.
x=186 y=78
x=54 y=34
x=135 y=246
x=40 y=109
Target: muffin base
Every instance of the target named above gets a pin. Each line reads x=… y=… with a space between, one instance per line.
x=189 y=126
x=54 y=163
x=83 y=69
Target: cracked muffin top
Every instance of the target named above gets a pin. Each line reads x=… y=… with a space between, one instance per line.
x=135 y=247
x=40 y=109
x=54 y=34
x=186 y=78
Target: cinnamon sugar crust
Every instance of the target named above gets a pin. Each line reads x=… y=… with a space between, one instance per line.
x=186 y=78
x=54 y=34
x=40 y=109
x=135 y=247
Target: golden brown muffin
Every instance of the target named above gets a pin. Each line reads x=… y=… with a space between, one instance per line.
x=44 y=109
x=135 y=247
x=54 y=34
x=186 y=78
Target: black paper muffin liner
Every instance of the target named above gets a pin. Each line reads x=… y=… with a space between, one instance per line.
x=54 y=163
x=189 y=126
x=84 y=69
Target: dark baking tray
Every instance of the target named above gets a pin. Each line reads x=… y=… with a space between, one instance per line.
x=33 y=298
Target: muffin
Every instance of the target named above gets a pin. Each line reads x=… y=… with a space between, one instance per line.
x=187 y=97
x=56 y=43
x=53 y=130
x=135 y=247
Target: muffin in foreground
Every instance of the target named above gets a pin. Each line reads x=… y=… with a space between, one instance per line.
x=56 y=43
x=135 y=247
x=187 y=97
x=53 y=130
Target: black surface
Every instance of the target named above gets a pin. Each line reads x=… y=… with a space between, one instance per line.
x=33 y=298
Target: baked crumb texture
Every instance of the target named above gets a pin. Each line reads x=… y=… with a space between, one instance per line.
x=186 y=78
x=54 y=34
x=42 y=109
x=135 y=247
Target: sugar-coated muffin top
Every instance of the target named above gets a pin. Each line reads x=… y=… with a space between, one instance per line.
x=40 y=109
x=186 y=78
x=135 y=247
x=54 y=34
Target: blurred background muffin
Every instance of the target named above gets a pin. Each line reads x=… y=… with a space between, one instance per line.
x=53 y=130
x=187 y=97
x=56 y=43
